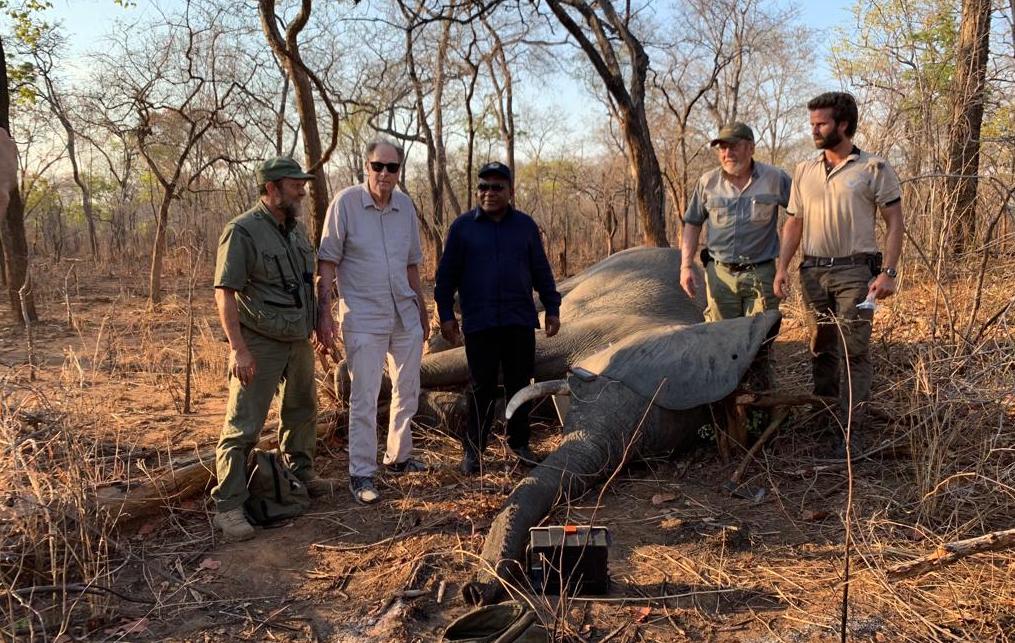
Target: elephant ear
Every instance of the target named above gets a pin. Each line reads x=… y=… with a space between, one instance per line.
x=701 y=364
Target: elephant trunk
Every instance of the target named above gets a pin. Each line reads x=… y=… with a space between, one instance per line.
x=535 y=392
x=599 y=438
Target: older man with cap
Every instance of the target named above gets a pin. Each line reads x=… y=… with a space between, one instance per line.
x=494 y=258
x=740 y=200
x=371 y=251
x=265 y=298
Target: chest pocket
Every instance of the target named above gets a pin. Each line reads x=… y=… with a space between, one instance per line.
x=306 y=253
x=722 y=212
x=282 y=275
x=764 y=208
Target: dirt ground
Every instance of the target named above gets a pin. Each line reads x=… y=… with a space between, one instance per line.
x=733 y=569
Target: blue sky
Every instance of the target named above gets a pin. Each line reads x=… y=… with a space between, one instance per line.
x=87 y=22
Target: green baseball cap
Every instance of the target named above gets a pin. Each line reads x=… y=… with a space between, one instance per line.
x=733 y=133
x=280 y=167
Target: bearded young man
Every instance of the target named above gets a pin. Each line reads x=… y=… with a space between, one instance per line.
x=833 y=206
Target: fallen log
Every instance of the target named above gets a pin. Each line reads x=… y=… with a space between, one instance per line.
x=949 y=553
x=137 y=499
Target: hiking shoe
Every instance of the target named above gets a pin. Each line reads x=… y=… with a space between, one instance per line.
x=470 y=463
x=525 y=454
x=409 y=465
x=318 y=486
x=363 y=490
x=234 y=525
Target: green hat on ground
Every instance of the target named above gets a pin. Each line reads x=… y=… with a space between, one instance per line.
x=280 y=167
x=733 y=133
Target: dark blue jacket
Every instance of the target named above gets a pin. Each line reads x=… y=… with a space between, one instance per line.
x=494 y=266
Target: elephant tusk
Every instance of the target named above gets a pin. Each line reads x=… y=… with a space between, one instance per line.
x=536 y=391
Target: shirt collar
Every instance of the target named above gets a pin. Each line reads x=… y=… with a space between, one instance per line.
x=368 y=201
x=478 y=214
x=283 y=228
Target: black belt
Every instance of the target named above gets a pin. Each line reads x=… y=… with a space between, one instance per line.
x=827 y=262
x=741 y=267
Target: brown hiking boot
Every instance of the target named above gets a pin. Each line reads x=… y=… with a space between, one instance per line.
x=234 y=525
x=318 y=486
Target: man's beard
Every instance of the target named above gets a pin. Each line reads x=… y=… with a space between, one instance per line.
x=290 y=209
x=828 y=142
x=739 y=168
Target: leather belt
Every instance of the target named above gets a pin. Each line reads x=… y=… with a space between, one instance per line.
x=828 y=262
x=741 y=267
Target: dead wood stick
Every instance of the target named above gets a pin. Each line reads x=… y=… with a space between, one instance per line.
x=398 y=536
x=778 y=417
x=179 y=483
x=949 y=553
x=767 y=400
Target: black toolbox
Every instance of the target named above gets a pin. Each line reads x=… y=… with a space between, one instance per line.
x=578 y=555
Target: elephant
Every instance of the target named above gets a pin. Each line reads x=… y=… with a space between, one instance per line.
x=643 y=396
x=628 y=292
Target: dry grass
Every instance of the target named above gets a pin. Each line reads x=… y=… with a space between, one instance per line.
x=107 y=408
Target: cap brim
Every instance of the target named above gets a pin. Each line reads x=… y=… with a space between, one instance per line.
x=299 y=175
x=501 y=174
x=726 y=139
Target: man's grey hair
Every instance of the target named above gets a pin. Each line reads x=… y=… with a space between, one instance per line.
x=377 y=142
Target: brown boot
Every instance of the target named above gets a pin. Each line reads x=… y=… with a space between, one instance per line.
x=234 y=525
x=318 y=486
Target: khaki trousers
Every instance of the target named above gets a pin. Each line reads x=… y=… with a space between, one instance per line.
x=366 y=353
x=742 y=294
x=288 y=369
x=831 y=295
x=739 y=294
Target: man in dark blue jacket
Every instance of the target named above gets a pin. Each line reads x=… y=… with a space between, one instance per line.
x=494 y=258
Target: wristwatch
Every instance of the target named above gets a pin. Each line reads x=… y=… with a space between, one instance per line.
x=891 y=272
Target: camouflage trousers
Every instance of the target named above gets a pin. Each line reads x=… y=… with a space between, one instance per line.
x=288 y=369
x=840 y=332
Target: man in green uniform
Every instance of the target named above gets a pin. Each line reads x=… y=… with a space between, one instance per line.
x=264 y=292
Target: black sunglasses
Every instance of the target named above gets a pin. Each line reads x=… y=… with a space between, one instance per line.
x=491 y=187
x=377 y=166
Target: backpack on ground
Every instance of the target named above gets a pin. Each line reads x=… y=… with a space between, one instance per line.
x=275 y=493
x=509 y=622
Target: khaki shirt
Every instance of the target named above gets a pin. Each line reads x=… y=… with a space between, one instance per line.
x=742 y=225
x=838 y=208
x=372 y=248
x=271 y=268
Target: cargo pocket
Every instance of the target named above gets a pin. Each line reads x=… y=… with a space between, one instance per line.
x=281 y=321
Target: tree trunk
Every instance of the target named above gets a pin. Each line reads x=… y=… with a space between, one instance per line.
x=86 y=194
x=12 y=215
x=289 y=56
x=471 y=140
x=505 y=95
x=16 y=257
x=630 y=99
x=967 y=117
x=159 y=248
x=433 y=228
